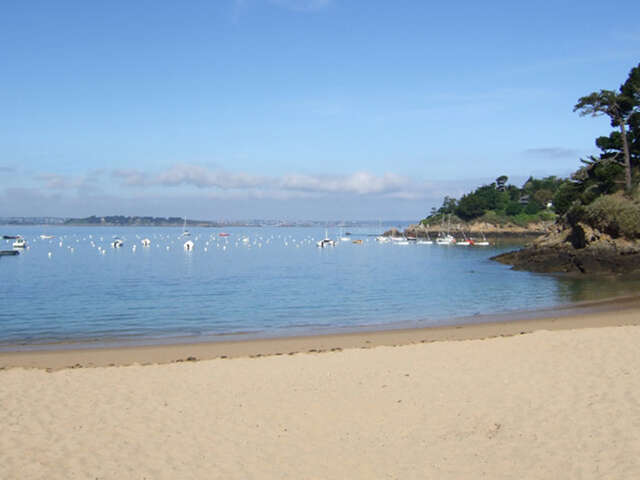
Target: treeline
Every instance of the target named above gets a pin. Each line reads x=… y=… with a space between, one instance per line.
x=122 y=220
x=500 y=202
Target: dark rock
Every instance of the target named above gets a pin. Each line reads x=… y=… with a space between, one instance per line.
x=394 y=232
x=576 y=249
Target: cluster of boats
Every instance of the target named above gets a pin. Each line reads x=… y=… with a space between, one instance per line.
x=444 y=239
x=440 y=240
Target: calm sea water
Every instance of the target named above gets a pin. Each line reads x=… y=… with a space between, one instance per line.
x=77 y=288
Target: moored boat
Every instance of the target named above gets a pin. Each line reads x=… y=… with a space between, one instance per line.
x=20 y=243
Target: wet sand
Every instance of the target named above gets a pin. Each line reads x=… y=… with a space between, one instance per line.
x=619 y=311
x=452 y=403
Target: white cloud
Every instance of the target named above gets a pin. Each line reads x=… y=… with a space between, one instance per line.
x=201 y=177
x=361 y=183
x=206 y=192
x=131 y=177
x=55 y=181
x=358 y=183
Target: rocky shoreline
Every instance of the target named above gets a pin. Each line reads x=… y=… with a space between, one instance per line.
x=475 y=230
x=577 y=249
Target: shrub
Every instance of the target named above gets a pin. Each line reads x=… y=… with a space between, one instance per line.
x=493 y=218
x=547 y=216
x=532 y=207
x=615 y=214
x=513 y=208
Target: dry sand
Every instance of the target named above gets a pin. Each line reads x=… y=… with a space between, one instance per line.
x=562 y=403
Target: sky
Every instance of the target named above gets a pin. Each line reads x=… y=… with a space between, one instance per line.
x=295 y=109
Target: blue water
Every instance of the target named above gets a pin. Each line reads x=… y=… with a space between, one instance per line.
x=276 y=283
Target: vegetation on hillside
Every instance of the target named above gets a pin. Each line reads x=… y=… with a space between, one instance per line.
x=499 y=203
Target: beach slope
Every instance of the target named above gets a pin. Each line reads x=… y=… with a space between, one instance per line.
x=550 y=404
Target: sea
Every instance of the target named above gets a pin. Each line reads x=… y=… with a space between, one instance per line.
x=76 y=289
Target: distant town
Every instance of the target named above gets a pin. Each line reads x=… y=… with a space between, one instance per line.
x=127 y=221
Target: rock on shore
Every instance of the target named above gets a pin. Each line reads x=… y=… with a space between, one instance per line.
x=481 y=228
x=577 y=249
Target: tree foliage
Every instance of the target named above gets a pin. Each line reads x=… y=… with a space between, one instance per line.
x=500 y=200
x=622 y=106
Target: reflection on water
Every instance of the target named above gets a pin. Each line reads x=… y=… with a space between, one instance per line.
x=581 y=289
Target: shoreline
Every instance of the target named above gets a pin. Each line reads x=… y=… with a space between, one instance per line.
x=619 y=311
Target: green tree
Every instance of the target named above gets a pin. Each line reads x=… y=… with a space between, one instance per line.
x=623 y=109
x=564 y=197
x=449 y=205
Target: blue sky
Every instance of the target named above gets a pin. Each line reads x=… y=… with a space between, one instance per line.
x=325 y=109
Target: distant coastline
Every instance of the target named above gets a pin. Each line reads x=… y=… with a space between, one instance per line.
x=148 y=221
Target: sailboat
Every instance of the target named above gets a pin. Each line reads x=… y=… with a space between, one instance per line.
x=426 y=241
x=466 y=241
x=343 y=237
x=185 y=232
x=483 y=243
x=448 y=238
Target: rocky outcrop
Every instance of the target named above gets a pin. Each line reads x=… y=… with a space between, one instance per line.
x=576 y=249
x=481 y=228
x=394 y=232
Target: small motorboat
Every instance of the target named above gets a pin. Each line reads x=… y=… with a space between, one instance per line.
x=188 y=245
x=20 y=243
x=117 y=243
x=326 y=242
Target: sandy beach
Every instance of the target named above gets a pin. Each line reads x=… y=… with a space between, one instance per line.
x=557 y=397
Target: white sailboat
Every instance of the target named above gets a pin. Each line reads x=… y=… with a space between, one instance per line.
x=447 y=239
x=425 y=241
x=483 y=243
x=465 y=242
x=185 y=232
